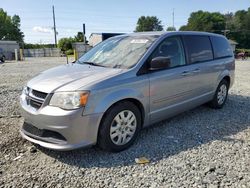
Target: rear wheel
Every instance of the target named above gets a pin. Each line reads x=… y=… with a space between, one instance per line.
x=220 y=96
x=120 y=127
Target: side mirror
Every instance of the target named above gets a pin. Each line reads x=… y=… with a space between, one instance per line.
x=159 y=63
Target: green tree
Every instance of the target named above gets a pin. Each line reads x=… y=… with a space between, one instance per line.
x=66 y=43
x=171 y=29
x=10 y=27
x=148 y=23
x=79 y=37
x=183 y=28
x=239 y=28
x=205 y=21
x=229 y=20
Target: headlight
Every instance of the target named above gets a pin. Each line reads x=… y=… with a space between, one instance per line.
x=25 y=93
x=25 y=90
x=69 y=100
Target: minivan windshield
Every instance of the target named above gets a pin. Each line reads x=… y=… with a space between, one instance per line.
x=118 y=52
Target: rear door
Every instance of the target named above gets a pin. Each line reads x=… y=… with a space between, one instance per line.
x=223 y=58
x=200 y=59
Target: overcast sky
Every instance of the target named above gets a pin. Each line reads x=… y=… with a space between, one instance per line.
x=105 y=16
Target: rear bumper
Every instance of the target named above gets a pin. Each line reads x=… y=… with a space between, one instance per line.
x=77 y=130
x=232 y=78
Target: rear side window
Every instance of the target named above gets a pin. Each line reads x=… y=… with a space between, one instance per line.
x=198 y=48
x=221 y=47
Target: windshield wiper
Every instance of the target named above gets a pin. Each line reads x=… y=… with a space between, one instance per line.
x=92 y=63
x=117 y=66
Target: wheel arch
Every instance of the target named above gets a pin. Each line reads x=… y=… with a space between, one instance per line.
x=225 y=75
x=135 y=101
x=227 y=78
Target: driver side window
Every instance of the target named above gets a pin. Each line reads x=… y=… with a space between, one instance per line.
x=171 y=48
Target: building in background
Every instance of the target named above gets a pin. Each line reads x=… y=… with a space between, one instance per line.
x=8 y=48
x=80 y=48
x=96 y=38
x=233 y=44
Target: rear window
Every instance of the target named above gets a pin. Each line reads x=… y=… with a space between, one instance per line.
x=221 y=47
x=198 y=48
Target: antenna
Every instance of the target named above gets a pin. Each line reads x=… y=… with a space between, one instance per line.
x=54 y=20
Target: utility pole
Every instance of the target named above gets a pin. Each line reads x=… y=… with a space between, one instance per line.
x=173 y=17
x=225 y=31
x=83 y=33
x=54 y=20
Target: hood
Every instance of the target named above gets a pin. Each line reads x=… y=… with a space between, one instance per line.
x=70 y=77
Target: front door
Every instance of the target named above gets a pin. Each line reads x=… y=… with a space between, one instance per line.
x=169 y=88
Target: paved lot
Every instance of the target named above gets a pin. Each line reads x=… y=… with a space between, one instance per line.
x=199 y=148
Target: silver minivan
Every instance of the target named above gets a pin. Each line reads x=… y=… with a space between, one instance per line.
x=124 y=84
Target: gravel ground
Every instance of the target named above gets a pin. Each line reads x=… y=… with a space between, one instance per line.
x=199 y=148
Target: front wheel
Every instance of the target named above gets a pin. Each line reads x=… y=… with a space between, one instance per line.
x=120 y=127
x=220 y=96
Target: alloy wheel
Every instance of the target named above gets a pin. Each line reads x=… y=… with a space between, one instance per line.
x=123 y=127
x=222 y=94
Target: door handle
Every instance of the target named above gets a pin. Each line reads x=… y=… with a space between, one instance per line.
x=196 y=70
x=185 y=73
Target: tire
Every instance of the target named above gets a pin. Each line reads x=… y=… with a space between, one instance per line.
x=220 y=95
x=120 y=127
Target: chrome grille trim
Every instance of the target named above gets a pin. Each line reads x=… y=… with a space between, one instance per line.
x=39 y=94
x=35 y=98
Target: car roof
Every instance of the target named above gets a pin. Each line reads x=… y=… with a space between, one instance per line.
x=161 y=33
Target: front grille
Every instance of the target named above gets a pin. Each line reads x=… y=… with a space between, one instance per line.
x=35 y=98
x=42 y=133
x=35 y=104
x=39 y=94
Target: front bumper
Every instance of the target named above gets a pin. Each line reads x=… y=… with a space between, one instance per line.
x=77 y=129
